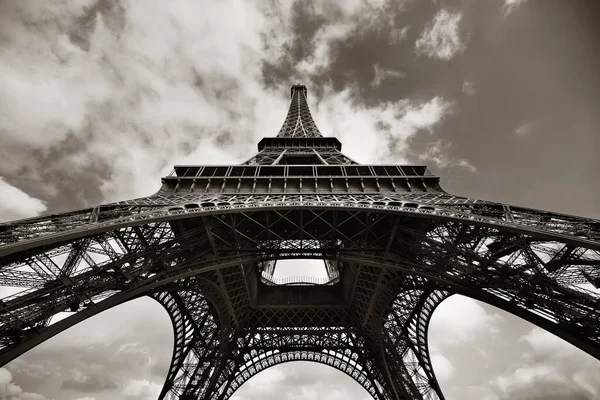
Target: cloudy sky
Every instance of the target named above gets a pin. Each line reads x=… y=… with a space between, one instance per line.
x=98 y=99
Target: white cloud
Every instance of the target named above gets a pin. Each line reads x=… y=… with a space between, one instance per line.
x=551 y=368
x=15 y=203
x=438 y=153
x=345 y=19
x=441 y=38
x=547 y=345
x=460 y=319
x=510 y=5
x=10 y=391
x=141 y=390
x=524 y=376
x=443 y=368
x=426 y=115
x=300 y=268
x=323 y=42
x=381 y=74
x=397 y=35
x=265 y=380
x=379 y=133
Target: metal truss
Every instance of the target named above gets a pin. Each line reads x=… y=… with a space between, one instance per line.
x=392 y=254
x=260 y=346
x=378 y=253
x=299 y=122
x=326 y=156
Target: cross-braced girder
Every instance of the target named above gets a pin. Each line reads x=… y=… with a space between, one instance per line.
x=299 y=122
x=534 y=277
x=262 y=345
x=334 y=346
x=204 y=246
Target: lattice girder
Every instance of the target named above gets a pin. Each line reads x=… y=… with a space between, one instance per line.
x=354 y=238
x=339 y=347
x=198 y=313
x=404 y=335
x=37 y=232
x=528 y=275
x=262 y=346
x=299 y=122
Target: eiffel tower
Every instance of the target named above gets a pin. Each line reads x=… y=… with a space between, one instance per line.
x=394 y=245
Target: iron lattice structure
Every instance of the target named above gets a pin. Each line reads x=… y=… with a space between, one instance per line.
x=205 y=246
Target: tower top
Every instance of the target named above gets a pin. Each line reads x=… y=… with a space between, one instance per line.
x=298 y=87
x=299 y=122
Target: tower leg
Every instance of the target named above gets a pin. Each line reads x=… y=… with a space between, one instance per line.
x=198 y=344
x=403 y=342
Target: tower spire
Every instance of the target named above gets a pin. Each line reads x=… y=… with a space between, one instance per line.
x=299 y=121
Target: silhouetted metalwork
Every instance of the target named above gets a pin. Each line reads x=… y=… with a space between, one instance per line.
x=205 y=246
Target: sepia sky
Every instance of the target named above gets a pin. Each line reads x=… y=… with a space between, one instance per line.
x=100 y=98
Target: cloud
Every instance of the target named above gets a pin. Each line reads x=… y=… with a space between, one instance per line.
x=468 y=88
x=444 y=370
x=120 y=102
x=338 y=23
x=397 y=35
x=389 y=126
x=550 y=369
x=510 y=5
x=299 y=268
x=382 y=74
x=460 y=319
x=525 y=129
x=141 y=390
x=10 y=391
x=437 y=152
x=441 y=38
x=87 y=383
x=104 y=356
x=16 y=204
x=323 y=43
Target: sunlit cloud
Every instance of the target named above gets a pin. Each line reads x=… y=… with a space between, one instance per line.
x=511 y=5
x=442 y=38
x=16 y=204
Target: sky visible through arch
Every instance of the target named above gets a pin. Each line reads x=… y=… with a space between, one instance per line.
x=98 y=99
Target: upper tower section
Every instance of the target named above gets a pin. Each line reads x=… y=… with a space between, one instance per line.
x=300 y=161
x=299 y=123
